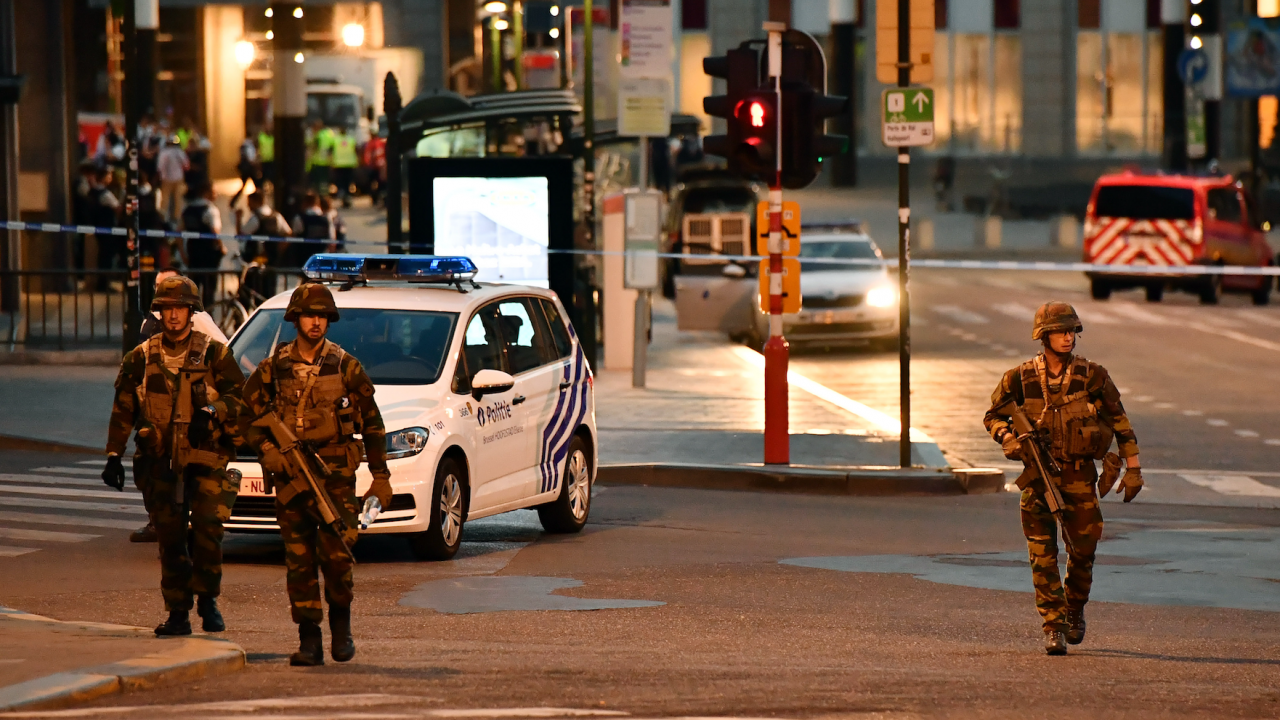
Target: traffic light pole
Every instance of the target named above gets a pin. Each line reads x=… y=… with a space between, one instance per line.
x=904 y=246
x=777 y=438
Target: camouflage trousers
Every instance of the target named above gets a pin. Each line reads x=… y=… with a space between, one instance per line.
x=190 y=560
x=1082 y=527
x=312 y=548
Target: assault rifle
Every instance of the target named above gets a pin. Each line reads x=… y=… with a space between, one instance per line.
x=1036 y=456
x=305 y=464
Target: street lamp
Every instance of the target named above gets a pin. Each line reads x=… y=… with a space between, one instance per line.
x=500 y=24
x=555 y=33
x=298 y=58
x=495 y=7
x=244 y=53
x=353 y=35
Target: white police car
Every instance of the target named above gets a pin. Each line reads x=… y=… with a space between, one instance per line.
x=486 y=395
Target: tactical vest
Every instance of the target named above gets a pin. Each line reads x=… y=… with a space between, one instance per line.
x=318 y=408
x=169 y=399
x=316 y=227
x=193 y=218
x=1069 y=416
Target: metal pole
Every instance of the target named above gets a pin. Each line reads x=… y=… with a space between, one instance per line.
x=517 y=36
x=135 y=77
x=495 y=53
x=11 y=253
x=392 y=104
x=640 y=339
x=904 y=246
x=588 y=123
x=777 y=439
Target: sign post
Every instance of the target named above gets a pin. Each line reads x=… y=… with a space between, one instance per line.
x=777 y=437
x=642 y=235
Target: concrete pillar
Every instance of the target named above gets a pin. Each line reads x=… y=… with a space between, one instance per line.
x=986 y=231
x=224 y=87
x=1048 y=77
x=922 y=238
x=289 y=91
x=1064 y=231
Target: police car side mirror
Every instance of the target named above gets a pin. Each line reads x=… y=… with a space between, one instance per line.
x=733 y=270
x=488 y=382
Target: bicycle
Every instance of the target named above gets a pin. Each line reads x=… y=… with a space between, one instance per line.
x=231 y=312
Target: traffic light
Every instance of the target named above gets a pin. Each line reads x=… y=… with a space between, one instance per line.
x=757 y=119
x=740 y=69
x=806 y=142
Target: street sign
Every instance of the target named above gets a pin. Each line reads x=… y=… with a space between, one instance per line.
x=790 y=286
x=907 y=116
x=790 y=228
x=1197 y=136
x=642 y=107
x=643 y=234
x=922 y=28
x=1193 y=66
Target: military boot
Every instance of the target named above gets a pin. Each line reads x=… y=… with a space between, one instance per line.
x=207 y=609
x=1054 y=643
x=178 y=623
x=1075 y=625
x=341 y=644
x=310 y=646
x=144 y=534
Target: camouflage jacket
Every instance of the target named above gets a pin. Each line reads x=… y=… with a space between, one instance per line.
x=354 y=407
x=225 y=377
x=1081 y=409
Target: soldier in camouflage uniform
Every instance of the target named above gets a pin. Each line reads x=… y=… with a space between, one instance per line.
x=181 y=391
x=322 y=393
x=1080 y=406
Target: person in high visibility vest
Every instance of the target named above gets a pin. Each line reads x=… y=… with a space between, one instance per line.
x=267 y=154
x=345 y=160
x=322 y=158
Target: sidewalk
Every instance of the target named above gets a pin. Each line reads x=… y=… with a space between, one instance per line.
x=47 y=663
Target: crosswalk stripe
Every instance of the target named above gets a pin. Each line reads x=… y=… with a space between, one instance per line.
x=77 y=471
x=68 y=492
x=1095 y=317
x=55 y=480
x=6 y=551
x=1133 y=312
x=90 y=462
x=44 y=535
x=72 y=505
x=1237 y=485
x=1017 y=311
x=72 y=520
x=959 y=314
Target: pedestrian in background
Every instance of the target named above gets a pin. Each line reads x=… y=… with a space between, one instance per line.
x=346 y=159
x=321 y=146
x=339 y=225
x=104 y=212
x=150 y=218
x=375 y=159
x=181 y=392
x=172 y=164
x=263 y=220
x=247 y=167
x=1075 y=402
x=314 y=384
x=203 y=256
x=267 y=154
x=315 y=226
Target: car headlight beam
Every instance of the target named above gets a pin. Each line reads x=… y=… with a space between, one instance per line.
x=406 y=443
x=882 y=297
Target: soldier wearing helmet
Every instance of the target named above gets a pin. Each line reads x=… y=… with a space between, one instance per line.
x=317 y=388
x=181 y=391
x=1079 y=405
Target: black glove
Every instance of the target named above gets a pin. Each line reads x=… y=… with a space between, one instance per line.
x=200 y=431
x=113 y=473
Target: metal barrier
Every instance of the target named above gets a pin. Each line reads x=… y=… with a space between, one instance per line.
x=85 y=309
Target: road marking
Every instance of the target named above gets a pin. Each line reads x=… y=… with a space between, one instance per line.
x=1193 y=413
x=68 y=492
x=6 y=551
x=882 y=421
x=1233 y=335
x=72 y=505
x=75 y=521
x=1272 y=441
x=44 y=535
x=54 y=480
x=1236 y=485
x=959 y=314
x=1017 y=311
x=1217 y=423
x=1144 y=398
x=351 y=703
x=77 y=471
x=1133 y=312
x=1247 y=433
x=1258 y=317
x=1164 y=406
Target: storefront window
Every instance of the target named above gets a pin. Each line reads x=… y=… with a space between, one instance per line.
x=1118 y=79
x=978 y=89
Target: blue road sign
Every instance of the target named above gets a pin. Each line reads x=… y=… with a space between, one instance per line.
x=1193 y=66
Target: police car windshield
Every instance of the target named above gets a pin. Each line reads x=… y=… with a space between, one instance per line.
x=829 y=250
x=1145 y=202
x=396 y=347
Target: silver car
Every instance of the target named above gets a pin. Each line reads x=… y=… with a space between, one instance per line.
x=843 y=303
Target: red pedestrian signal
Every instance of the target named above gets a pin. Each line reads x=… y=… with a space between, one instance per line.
x=757 y=114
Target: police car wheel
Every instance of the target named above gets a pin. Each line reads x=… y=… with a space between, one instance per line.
x=443 y=536
x=568 y=512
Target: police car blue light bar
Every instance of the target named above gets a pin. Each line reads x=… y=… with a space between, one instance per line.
x=410 y=268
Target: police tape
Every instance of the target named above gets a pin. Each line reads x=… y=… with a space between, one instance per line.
x=1036 y=265
x=124 y=232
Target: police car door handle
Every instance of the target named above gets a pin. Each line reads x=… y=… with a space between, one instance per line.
x=517 y=400
x=565 y=385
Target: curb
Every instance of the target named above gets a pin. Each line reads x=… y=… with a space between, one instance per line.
x=186 y=659
x=863 y=481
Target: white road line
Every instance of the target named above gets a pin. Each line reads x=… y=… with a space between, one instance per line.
x=1133 y=312
x=1235 y=485
x=69 y=520
x=1164 y=406
x=1193 y=413
x=1144 y=398
x=1090 y=316
x=1217 y=423
x=72 y=505
x=24 y=479
x=104 y=493
x=1247 y=433
x=1233 y=335
x=77 y=471
x=959 y=314
x=44 y=535
x=1017 y=311
x=6 y=551
x=1272 y=441
x=1259 y=317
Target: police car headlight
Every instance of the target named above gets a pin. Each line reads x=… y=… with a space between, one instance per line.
x=882 y=297
x=406 y=443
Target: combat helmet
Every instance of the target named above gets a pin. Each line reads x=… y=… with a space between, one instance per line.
x=311 y=299
x=177 y=290
x=1055 y=316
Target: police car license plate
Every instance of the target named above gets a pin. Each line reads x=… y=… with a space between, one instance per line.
x=254 y=486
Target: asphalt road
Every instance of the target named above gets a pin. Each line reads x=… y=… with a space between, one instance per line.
x=680 y=603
